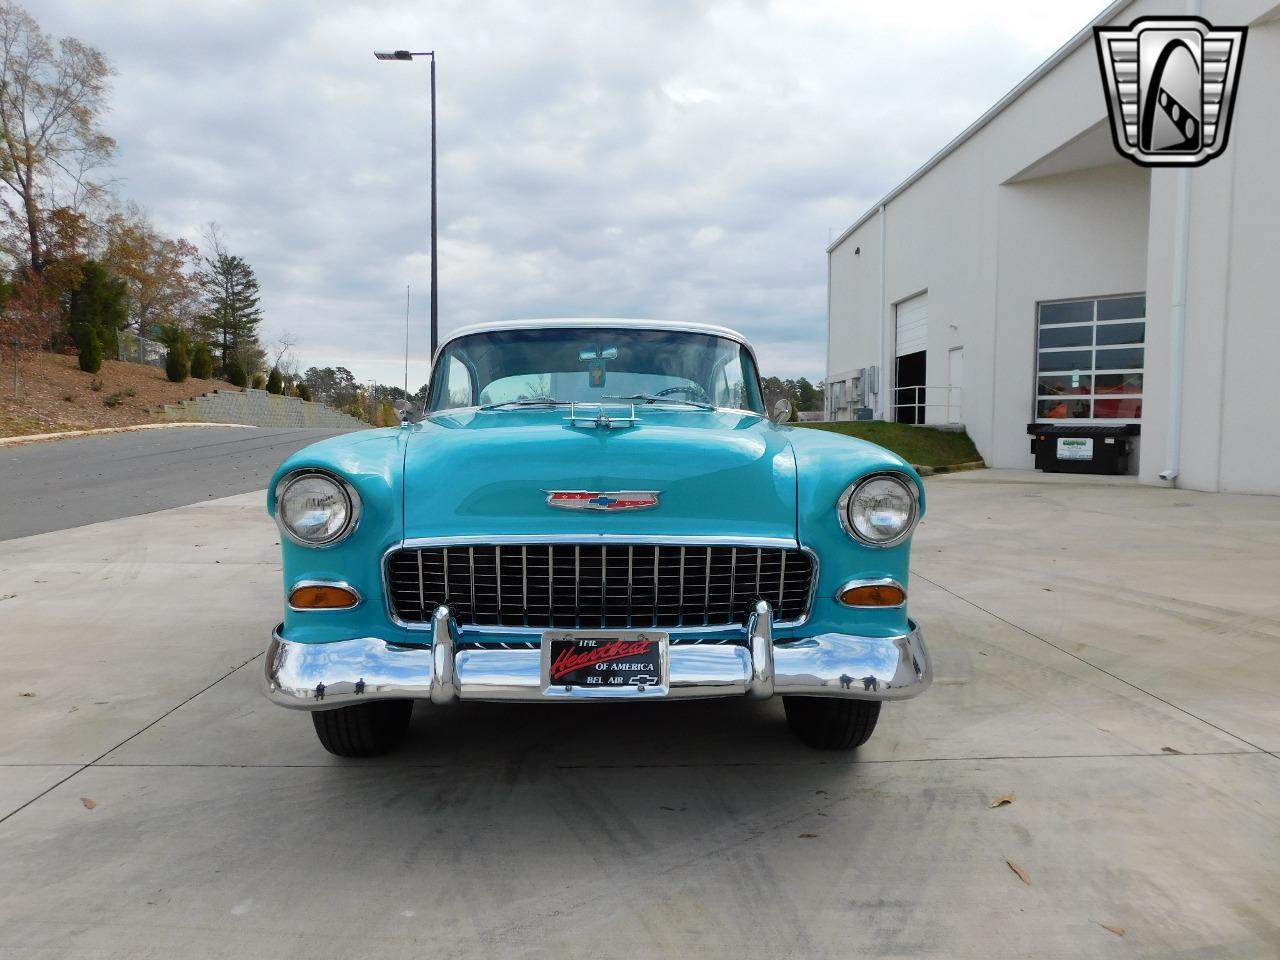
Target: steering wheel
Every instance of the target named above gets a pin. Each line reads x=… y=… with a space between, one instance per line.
x=701 y=395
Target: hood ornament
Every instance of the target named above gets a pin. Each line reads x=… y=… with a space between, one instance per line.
x=599 y=419
x=602 y=499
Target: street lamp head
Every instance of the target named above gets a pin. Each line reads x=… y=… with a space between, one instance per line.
x=393 y=54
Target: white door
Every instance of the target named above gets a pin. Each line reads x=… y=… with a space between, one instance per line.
x=955 y=383
x=911 y=325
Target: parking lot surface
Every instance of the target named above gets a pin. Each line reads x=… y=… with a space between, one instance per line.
x=1108 y=654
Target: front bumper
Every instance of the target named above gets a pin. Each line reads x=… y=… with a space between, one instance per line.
x=324 y=676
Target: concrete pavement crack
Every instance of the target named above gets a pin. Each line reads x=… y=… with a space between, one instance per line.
x=1094 y=666
x=81 y=768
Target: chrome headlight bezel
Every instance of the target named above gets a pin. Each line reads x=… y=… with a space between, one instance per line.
x=847 y=499
x=344 y=488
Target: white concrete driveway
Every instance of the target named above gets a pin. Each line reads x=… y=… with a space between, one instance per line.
x=1108 y=653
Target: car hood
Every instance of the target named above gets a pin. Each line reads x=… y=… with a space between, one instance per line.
x=488 y=473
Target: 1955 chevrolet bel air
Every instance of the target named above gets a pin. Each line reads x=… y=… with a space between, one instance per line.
x=594 y=510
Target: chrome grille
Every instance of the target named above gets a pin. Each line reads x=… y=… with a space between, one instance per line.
x=568 y=585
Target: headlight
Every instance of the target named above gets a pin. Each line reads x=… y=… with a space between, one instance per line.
x=880 y=510
x=315 y=508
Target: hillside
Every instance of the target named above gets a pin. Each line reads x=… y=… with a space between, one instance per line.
x=55 y=394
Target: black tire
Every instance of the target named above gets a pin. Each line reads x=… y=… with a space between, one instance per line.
x=365 y=729
x=827 y=724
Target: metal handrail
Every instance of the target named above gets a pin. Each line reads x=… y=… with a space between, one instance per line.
x=919 y=401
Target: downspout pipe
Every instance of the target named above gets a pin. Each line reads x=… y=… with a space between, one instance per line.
x=882 y=381
x=1178 y=324
x=1178 y=311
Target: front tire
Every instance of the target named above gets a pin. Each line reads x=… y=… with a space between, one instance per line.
x=364 y=729
x=829 y=724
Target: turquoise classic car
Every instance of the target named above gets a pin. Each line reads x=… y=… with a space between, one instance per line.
x=594 y=510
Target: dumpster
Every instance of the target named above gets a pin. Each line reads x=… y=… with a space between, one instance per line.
x=1081 y=448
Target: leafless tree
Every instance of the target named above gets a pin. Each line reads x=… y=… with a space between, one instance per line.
x=281 y=347
x=51 y=99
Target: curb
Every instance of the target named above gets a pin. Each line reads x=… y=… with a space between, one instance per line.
x=950 y=468
x=68 y=434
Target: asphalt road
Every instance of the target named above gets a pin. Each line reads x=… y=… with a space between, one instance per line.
x=58 y=484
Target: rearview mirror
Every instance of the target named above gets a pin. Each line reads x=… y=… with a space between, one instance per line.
x=781 y=411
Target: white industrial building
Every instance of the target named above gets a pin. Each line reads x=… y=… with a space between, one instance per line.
x=1028 y=273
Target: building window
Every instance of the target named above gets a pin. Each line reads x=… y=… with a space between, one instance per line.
x=1089 y=357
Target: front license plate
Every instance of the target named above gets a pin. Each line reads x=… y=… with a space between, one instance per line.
x=624 y=663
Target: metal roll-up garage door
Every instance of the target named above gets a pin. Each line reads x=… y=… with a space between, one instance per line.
x=911 y=325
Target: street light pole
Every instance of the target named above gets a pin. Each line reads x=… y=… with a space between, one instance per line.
x=435 y=326
x=409 y=55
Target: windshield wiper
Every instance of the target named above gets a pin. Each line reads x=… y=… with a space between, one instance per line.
x=525 y=402
x=654 y=398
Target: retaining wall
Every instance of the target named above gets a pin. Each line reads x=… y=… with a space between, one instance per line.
x=260 y=409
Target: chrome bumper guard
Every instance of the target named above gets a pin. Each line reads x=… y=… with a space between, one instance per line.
x=323 y=676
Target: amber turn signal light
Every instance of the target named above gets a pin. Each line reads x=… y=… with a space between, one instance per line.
x=873 y=595
x=322 y=596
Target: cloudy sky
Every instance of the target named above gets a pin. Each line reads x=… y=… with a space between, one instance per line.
x=653 y=159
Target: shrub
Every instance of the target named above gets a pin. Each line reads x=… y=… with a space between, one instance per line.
x=304 y=392
x=114 y=400
x=90 y=351
x=202 y=363
x=177 y=368
x=129 y=392
x=95 y=385
x=110 y=338
x=236 y=374
x=259 y=381
x=275 y=382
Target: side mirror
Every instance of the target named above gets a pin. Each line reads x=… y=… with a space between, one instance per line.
x=781 y=411
x=404 y=408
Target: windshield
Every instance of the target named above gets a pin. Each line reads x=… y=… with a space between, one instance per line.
x=594 y=365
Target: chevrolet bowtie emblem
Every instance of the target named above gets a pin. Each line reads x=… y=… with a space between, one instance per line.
x=602 y=499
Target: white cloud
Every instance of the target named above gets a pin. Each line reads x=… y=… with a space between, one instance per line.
x=612 y=159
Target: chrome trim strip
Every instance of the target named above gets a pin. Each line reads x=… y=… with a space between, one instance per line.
x=872 y=582
x=561 y=539
x=420 y=542
x=324 y=676
x=340 y=584
x=353 y=506
x=842 y=505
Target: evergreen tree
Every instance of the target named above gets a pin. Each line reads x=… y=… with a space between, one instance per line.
x=232 y=302
x=202 y=363
x=275 y=382
x=177 y=367
x=236 y=374
x=97 y=303
x=304 y=392
x=90 y=351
